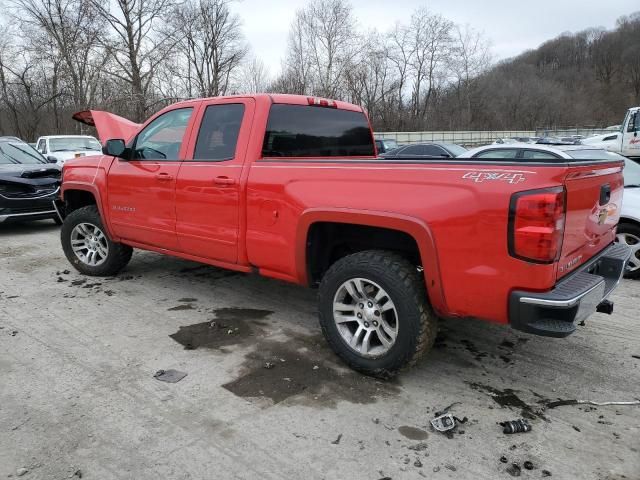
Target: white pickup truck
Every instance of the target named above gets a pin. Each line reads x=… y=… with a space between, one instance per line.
x=626 y=141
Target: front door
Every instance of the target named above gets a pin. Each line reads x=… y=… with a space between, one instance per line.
x=209 y=188
x=141 y=189
x=631 y=135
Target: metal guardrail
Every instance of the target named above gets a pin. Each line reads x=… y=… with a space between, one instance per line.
x=466 y=138
x=473 y=138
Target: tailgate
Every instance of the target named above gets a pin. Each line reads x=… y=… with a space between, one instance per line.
x=593 y=202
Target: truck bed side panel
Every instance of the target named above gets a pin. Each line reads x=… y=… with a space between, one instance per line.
x=464 y=205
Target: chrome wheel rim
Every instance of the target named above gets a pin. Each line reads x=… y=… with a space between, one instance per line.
x=89 y=244
x=634 y=244
x=366 y=317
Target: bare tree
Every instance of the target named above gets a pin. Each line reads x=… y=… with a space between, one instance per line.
x=69 y=30
x=136 y=44
x=210 y=38
x=322 y=45
x=254 y=77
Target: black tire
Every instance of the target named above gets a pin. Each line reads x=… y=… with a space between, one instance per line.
x=118 y=255
x=634 y=231
x=416 y=320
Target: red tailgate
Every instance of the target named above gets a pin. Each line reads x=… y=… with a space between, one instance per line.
x=593 y=202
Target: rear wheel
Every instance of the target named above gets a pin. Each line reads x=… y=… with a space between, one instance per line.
x=629 y=234
x=87 y=246
x=374 y=312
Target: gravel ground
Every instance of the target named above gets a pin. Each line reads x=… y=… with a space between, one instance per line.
x=264 y=398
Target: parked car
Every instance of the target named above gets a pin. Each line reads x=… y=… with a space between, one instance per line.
x=64 y=147
x=501 y=141
x=29 y=186
x=384 y=145
x=289 y=187
x=542 y=152
x=427 y=150
x=629 y=226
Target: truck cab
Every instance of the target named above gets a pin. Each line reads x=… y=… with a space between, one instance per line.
x=626 y=141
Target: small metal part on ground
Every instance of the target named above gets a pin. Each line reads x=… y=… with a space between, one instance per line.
x=515 y=426
x=169 y=376
x=444 y=423
x=337 y=440
x=561 y=403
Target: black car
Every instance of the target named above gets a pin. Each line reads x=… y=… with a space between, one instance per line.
x=385 y=145
x=29 y=185
x=427 y=150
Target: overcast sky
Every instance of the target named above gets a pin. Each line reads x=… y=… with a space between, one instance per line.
x=511 y=25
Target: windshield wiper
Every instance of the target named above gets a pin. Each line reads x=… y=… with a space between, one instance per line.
x=632 y=185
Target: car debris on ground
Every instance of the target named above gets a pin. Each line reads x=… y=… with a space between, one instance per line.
x=520 y=425
x=169 y=376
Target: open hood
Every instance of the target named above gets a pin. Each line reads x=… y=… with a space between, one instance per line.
x=108 y=124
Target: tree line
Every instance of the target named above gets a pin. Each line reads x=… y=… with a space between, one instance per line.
x=133 y=57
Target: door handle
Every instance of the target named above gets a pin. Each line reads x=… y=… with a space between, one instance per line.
x=164 y=177
x=224 y=181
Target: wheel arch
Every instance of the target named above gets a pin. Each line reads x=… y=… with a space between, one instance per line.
x=412 y=227
x=77 y=195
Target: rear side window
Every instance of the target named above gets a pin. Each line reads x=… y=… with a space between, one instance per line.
x=508 y=153
x=218 y=133
x=538 y=155
x=308 y=131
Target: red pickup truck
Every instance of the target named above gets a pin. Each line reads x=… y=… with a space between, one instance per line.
x=290 y=187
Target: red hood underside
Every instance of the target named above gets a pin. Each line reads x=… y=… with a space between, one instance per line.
x=108 y=124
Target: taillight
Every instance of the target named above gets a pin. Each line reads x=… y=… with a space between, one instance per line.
x=536 y=225
x=322 y=102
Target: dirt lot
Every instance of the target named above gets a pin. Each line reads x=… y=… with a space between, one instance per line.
x=78 y=397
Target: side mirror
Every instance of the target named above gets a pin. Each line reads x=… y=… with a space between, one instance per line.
x=114 y=147
x=51 y=159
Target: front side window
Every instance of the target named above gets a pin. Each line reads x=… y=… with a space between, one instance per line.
x=310 y=131
x=435 y=151
x=41 y=146
x=507 y=153
x=162 y=138
x=219 y=131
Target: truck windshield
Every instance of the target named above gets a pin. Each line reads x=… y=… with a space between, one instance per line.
x=69 y=144
x=310 y=131
x=631 y=174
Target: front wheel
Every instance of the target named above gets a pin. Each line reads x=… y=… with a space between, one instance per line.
x=87 y=246
x=630 y=235
x=374 y=312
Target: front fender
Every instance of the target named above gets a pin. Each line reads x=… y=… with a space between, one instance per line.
x=414 y=227
x=95 y=191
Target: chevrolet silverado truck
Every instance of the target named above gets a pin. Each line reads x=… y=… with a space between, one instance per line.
x=290 y=187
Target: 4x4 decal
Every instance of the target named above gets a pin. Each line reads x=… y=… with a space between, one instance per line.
x=480 y=177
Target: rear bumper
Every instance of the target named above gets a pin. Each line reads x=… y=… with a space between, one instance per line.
x=556 y=312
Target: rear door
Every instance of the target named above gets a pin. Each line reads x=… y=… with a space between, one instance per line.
x=209 y=187
x=141 y=190
x=593 y=203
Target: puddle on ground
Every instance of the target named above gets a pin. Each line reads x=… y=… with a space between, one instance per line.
x=281 y=370
x=186 y=306
x=413 y=433
x=509 y=398
x=230 y=327
x=302 y=367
